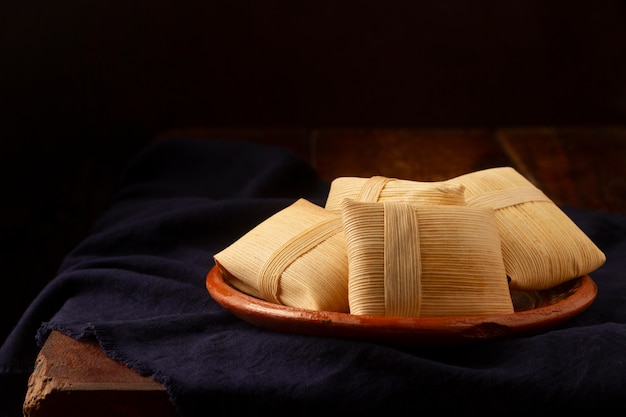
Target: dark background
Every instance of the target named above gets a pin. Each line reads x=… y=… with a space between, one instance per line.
x=85 y=85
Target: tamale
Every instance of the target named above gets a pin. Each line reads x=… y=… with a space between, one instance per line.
x=423 y=260
x=542 y=247
x=297 y=257
x=379 y=188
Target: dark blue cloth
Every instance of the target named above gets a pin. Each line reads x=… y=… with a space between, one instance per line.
x=137 y=284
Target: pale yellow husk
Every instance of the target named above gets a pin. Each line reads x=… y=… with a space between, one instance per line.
x=423 y=260
x=542 y=247
x=297 y=257
x=380 y=188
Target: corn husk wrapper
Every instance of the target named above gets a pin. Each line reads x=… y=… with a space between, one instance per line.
x=423 y=260
x=542 y=247
x=297 y=257
x=379 y=188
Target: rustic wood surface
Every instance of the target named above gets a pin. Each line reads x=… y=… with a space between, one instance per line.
x=73 y=378
x=575 y=166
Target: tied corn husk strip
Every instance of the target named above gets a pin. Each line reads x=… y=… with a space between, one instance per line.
x=423 y=260
x=297 y=257
x=380 y=188
x=541 y=246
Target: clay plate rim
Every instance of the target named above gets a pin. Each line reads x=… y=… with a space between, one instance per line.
x=563 y=302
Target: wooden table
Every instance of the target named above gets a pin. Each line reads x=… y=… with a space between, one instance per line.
x=576 y=166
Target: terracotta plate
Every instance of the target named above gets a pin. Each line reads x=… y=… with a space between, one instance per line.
x=535 y=312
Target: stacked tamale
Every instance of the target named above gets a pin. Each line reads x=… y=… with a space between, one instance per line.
x=392 y=247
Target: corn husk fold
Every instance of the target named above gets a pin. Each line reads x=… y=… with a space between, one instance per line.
x=297 y=257
x=423 y=260
x=541 y=246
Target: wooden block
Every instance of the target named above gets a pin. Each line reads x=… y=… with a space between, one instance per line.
x=74 y=377
x=582 y=166
x=413 y=154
